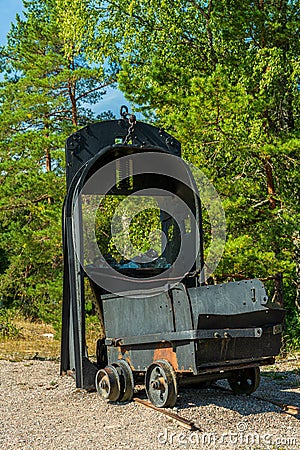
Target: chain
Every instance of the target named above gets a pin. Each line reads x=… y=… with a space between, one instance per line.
x=131 y=120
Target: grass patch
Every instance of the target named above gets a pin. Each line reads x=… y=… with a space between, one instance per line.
x=39 y=340
x=30 y=341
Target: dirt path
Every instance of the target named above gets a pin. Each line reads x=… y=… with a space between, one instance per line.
x=41 y=410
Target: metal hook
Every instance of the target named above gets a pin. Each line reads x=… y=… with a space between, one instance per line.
x=124 y=111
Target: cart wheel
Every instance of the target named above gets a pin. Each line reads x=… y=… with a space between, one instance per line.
x=108 y=383
x=126 y=380
x=245 y=381
x=161 y=384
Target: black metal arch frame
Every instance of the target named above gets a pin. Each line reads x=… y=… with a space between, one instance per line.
x=86 y=150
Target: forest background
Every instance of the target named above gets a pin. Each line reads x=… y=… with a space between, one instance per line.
x=222 y=77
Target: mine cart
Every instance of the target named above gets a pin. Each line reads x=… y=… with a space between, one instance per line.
x=161 y=320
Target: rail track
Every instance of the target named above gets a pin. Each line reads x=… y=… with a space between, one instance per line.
x=191 y=426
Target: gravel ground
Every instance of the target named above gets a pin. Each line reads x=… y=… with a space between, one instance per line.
x=41 y=410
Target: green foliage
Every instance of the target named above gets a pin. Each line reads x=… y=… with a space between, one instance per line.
x=7 y=327
x=135 y=222
x=45 y=95
x=223 y=77
x=291 y=338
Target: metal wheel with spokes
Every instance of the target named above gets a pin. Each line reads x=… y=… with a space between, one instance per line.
x=161 y=384
x=126 y=380
x=245 y=381
x=108 y=384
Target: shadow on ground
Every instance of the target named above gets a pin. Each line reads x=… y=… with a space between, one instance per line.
x=279 y=386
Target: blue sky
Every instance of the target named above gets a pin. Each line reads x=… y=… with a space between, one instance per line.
x=8 y=10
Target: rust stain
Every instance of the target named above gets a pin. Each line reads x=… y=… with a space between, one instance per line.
x=166 y=351
x=124 y=354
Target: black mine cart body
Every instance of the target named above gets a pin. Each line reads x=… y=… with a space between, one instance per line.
x=187 y=333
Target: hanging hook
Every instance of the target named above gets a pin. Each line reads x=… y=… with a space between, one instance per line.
x=124 y=111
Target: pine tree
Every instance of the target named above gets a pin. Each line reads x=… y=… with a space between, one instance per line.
x=45 y=95
x=223 y=76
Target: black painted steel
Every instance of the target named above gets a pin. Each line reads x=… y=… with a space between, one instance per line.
x=191 y=330
x=83 y=145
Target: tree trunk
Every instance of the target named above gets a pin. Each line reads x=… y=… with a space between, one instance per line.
x=270 y=183
x=72 y=94
x=48 y=162
x=278 y=284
